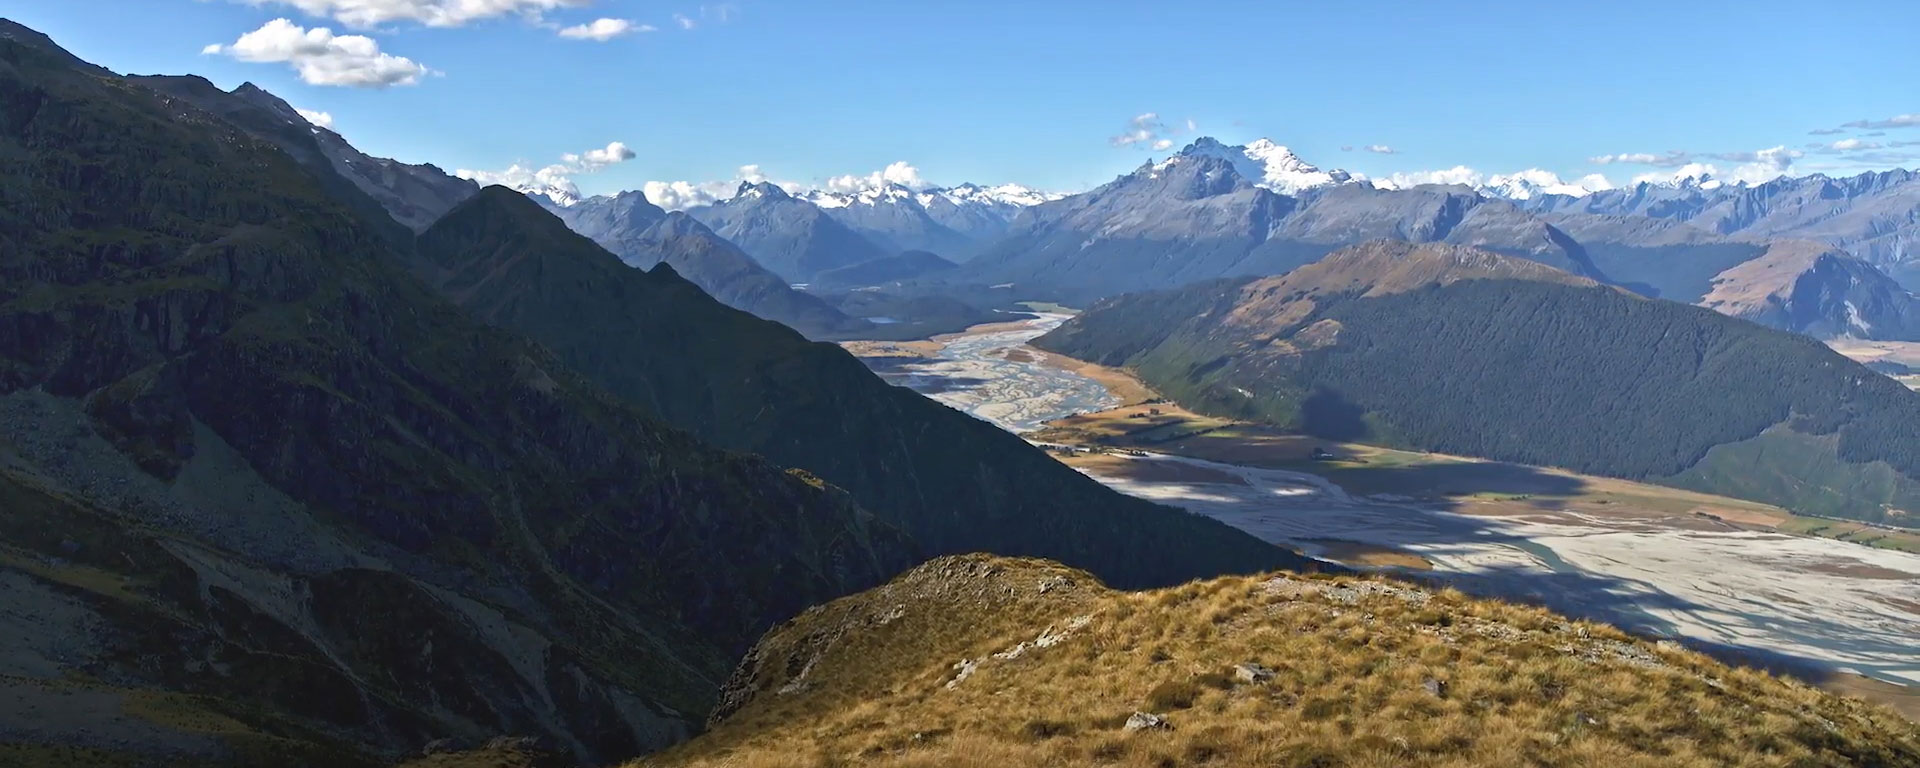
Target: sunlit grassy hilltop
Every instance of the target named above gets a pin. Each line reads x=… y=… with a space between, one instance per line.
x=982 y=661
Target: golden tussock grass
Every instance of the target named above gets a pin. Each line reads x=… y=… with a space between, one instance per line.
x=979 y=661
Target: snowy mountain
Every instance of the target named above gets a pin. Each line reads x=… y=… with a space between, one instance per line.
x=791 y=236
x=1263 y=163
x=1215 y=210
x=955 y=222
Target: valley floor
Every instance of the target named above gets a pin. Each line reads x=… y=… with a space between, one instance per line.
x=1724 y=574
x=1901 y=353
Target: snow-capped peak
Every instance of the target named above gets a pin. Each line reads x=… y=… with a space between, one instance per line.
x=1264 y=164
x=1005 y=195
x=560 y=195
x=753 y=191
x=1535 y=182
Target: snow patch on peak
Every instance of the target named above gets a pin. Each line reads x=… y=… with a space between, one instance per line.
x=1263 y=163
x=1534 y=182
x=561 y=195
x=964 y=195
x=1519 y=185
x=1004 y=194
x=750 y=190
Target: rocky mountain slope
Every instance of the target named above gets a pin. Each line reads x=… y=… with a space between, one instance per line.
x=1522 y=363
x=270 y=499
x=977 y=661
x=414 y=195
x=893 y=218
x=1818 y=290
x=954 y=483
x=1199 y=215
x=790 y=236
x=1215 y=211
x=1874 y=216
x=644 y=235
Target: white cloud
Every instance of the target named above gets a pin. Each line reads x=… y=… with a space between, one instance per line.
x=321 y=57
x=1897 y=121
x=900 y=172
x=684 y=22
x=319 y=119
x=1519 y=184
x=1825 y=131
x=1458 y=174
x=1381 y=149
x=555 y=181
x=595 y=159
x=1689 y=172
x=681 y=195
x=433 y=13
x=602 y=30
x=1148 y=130
x=1668 y=159
x=1760 y=166
x=1756 y=167
x=1848 y=145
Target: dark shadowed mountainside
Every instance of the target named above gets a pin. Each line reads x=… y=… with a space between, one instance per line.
x=642 y=235
x=270 y=500
x=954 y=483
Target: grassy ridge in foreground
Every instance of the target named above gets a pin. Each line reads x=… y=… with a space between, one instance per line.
x=977 y=661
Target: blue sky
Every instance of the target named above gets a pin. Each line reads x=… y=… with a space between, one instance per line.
x=1037 y=92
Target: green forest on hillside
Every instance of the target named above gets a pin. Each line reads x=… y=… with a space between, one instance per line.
x=1585 y=378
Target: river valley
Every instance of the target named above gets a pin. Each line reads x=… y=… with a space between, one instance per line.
x=1672 y=571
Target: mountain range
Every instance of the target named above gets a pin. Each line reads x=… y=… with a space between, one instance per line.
x=1518 y=361
x=954 y=222
x=312 y=458
x=1874 y=216
x=1212 y=211
x=290 y=483
x=643 y=235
